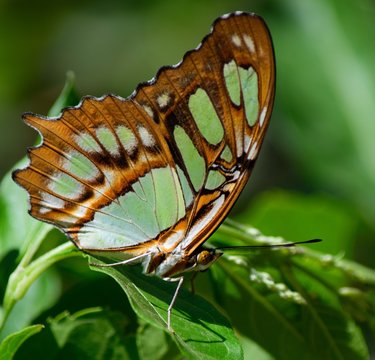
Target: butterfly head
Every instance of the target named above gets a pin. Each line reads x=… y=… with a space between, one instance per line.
x=174 y=264
x=205 y=258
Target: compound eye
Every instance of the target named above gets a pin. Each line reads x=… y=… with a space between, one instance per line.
x=205 y=258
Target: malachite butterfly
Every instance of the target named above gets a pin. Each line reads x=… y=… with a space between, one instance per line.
x=150 y=177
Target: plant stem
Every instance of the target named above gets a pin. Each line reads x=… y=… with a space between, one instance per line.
x=24 y=276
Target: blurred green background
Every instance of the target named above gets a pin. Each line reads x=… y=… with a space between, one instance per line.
x=315 y=177
x=316 y=174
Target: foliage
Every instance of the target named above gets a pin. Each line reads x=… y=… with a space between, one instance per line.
x=12 y=342
x=272 y=304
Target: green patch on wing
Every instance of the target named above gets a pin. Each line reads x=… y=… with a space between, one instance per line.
x=79 y=165
x=107 y=139
x=188 y=193
x=87 y=143
x=227 y=154
x=214 y=180
x=194 y=162
x=67 y=186
x=249 y=85
x=232 y=82
x=205 y=116
x=155 y=203
x=126 y=137
x=170 y=205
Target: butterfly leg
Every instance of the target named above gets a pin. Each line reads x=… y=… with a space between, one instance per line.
x=180 y=281
x=132 y=260
x=192 y=282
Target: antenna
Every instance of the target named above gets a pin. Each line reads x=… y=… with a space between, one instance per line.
x=250 y=247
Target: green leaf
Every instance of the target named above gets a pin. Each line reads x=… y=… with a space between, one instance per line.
x=90 y=334
x=67 y=97
x=252 y=350
x=24 y=277
x=295 y=294
x=43 y=293
x=200 y=330
x=11 y=343
x=287 y=317
x=26 y=230
x=155 y=344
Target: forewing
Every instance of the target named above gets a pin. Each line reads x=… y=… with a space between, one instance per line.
x=166 y=164
x=216 y=106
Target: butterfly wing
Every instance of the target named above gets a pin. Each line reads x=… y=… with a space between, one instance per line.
x=165 y=165
x=220 y=100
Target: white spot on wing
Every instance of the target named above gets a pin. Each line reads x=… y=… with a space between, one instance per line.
x=50 y=202
x=130 y=146
x=148 y=110
x=262 y=116
x=87 y=143
x=146 y=137
x=204 y=221
x=163 y=100
x=249 y=42
x=173 y=240
x=228 y=187
x=247 y=143
x=236 y=175
x=79 y=211
x=236 y=40
x=253 y=151
x=239 y=146
x=110 y=178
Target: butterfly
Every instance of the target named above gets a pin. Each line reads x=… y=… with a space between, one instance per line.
x=148 y=179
